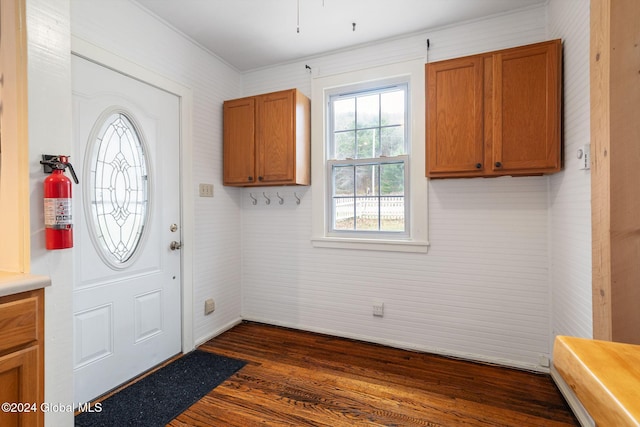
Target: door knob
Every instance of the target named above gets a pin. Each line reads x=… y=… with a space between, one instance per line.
x=175 y=245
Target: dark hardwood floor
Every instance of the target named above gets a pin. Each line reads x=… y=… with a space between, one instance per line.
x=296 y=378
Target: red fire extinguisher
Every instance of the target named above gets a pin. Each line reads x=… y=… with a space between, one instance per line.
x=57 y=203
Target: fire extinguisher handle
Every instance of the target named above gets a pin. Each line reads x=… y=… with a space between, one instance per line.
x=73 y=173
x=58 y=163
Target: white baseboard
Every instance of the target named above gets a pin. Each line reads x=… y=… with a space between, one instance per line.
x=201 y=340
x=579 y=411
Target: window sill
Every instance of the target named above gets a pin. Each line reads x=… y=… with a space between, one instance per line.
x=371 y=244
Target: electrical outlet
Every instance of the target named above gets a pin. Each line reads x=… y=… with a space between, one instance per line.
x=543 y=361
x=206 y=190
x=378 y=308
x=584 y=156
x=209 y=306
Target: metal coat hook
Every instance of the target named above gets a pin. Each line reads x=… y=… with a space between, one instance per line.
x=255 y=201
x=281 y=199
x=268 y=202
x=297 y=198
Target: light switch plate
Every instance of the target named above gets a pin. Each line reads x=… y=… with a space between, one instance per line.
x=206 y=190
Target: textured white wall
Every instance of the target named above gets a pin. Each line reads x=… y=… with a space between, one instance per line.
x=124 y=28
x=570 y=190
x=482 y=291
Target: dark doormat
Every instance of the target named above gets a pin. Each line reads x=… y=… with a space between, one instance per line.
x=163 y=395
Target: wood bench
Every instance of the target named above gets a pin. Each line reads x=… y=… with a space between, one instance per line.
x=605 y=377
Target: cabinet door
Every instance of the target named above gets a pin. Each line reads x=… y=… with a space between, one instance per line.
x=275 y=137
x=526 y=109
x=455 y=117
x=239 y=142
x=19 y=384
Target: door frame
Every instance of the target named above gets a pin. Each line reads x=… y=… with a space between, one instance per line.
x=91 y=52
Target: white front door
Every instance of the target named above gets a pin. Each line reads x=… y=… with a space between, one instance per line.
x=127 y=286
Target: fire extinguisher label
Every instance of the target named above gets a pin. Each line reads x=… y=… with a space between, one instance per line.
x=57 y=213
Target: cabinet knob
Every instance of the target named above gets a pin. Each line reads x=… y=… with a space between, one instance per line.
x=260 y=178
x=498 y=164
x=250 y=178
x=478 y=165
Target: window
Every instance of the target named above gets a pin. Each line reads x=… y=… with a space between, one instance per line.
x=367 y=162
x=369 y=188
x=118 y=190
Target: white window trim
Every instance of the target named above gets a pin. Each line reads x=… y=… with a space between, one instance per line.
x=321 y=88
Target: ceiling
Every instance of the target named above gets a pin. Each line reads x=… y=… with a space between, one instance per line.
x=251 y=34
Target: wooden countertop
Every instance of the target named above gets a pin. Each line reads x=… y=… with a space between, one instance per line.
x=605 y=377
x=14 y=283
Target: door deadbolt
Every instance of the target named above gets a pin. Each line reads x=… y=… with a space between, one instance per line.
x=173 y=228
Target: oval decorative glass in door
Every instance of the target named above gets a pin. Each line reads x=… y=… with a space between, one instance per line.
x=117 y=193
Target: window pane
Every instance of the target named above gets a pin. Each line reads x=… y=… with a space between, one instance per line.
x=343 y=218
x=367 y=180
x=344 y=114
x=343 y=181
x=392 y=141
x=392 y=108
x=392 y=179
x=368 y=108
x=369 y=197
x=367 y=213
x=344 y=145
x=368 y=144
x=392 y=214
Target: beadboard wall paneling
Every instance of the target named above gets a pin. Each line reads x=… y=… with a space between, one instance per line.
x=124 y=28
x=483 y=284
x=570 y=190
x=50 y=131
x=481 y=292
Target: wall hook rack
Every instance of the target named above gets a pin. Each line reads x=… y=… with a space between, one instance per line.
x=268 y=202
x=297 y=198
x=255 y=201
x=281 y=199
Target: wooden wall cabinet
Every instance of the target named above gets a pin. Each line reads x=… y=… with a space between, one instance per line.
x=22 y=357
x=267 y=140
x=496 y=113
